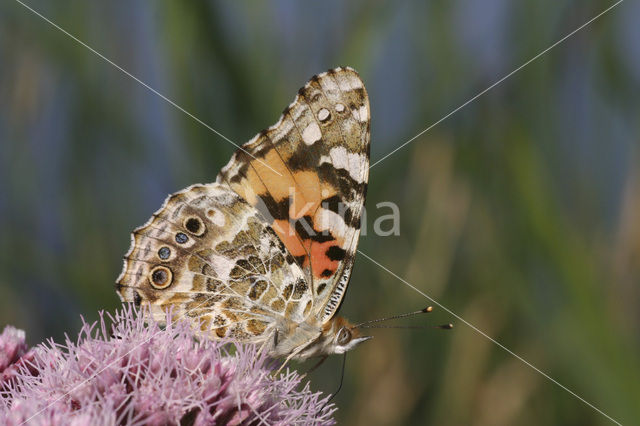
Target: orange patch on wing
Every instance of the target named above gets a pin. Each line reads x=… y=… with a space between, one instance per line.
x=298 y=209
x=273 y=173
x=249 y=187
x=320 y=260
x=289 y=237
x=307 y=194
x=250 y=192
x=327 y=190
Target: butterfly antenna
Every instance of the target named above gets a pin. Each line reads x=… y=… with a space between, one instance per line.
x=412 y=327
x=408 y=314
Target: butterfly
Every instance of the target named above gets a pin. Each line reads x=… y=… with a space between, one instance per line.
x=265 y=253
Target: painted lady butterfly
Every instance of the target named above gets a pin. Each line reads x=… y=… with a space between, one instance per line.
x=264 y=254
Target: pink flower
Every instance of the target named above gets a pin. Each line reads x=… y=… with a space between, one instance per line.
x=14 y=354
x=137 y=373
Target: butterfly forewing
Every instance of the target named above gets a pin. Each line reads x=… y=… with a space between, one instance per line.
x=308 y=174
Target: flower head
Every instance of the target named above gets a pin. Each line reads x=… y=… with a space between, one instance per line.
x=137 y=373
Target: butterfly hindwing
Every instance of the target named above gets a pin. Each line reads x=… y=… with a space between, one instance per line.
x=210 y=256
x=308 y=175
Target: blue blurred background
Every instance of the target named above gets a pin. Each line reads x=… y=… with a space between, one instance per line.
x=520 y=212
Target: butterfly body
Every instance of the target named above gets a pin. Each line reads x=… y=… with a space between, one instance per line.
x=310 y=339
x=264 y=254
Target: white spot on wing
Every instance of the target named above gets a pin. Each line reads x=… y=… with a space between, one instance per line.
x=332 y=221
x=355 y=82
x=311 y=134
x=296 y=109
x=340 y=158
x=281 y=129
x=364 y=114
x=218 y=218
x=339 y=107
x=343 y=82
x=323 y=114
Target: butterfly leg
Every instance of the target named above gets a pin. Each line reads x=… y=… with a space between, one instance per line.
x=263 y=347
x=286 y=361
x=318 y=364
x=289 y=358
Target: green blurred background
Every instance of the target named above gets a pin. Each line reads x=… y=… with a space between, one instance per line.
x=520 y=212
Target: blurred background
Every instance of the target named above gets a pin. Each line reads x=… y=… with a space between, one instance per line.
x=520 y=212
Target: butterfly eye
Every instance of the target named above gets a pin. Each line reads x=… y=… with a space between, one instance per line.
x=160 y=277
x=344 y=336
x=194 y=225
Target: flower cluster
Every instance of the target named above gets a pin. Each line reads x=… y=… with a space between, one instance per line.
x=132 y=372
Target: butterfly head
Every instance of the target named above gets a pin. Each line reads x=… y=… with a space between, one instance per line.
x=341 y=336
